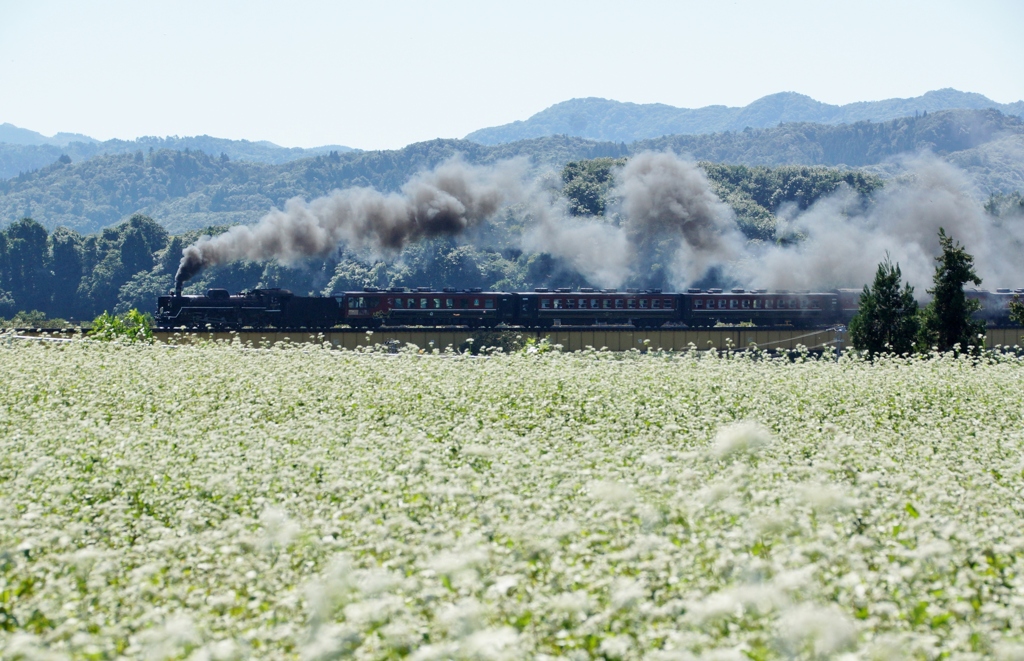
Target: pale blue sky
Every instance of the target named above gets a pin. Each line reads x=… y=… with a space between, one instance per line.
x=379 y=75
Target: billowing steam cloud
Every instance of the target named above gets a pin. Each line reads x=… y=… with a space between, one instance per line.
x=442 y=202
x=845 y=240
x=667 y=204
x=599 y=251
x=667 y=214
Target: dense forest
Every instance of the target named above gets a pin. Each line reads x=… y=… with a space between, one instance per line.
x=63 y=273
x=191 y=189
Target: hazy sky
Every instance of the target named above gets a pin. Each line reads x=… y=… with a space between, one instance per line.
x=379 y=75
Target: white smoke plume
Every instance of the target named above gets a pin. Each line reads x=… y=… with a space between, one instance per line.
x=444 y=201
x=599 y=251
x=844 y=240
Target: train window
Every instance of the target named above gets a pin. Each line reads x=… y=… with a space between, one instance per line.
x=545 y=303
x=792 y=304
x=781 y=304
x=583 y=303
x=423 y=304
x=437 y=304
x=570 y=303
x=745 y=303
x=756 y=303
x=698 y=303
x=668 y=303
x=767 y=304
x=593 y=304
x=722 y=302
x=606 y=303
x=476 y=303
x=449 y=303
x=489 y=303
x=558 y=304
x=643 y=303
x=398 y=303
x=373 y=301
x=619 y=304
x=462 y=303
x=733 y=303
x=656 y=303
x=411 y=303
x=631 y=304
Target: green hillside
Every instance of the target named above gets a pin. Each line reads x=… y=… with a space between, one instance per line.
x=66 y=274
x=189 y=189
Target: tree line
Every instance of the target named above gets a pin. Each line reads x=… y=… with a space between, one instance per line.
x=888 y=320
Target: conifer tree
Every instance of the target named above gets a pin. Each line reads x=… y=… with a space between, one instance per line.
x=947 y=320
x=886 y=320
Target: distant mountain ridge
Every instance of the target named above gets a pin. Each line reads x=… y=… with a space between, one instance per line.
x=615 y=121
x=23 y=150
x=188 y=190
x=16 y=135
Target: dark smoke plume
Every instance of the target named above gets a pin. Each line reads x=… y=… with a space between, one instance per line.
x=670 y=213
x=442 y=202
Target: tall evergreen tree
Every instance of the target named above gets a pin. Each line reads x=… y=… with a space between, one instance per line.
x=66 y=259
x=947 y=319
x=886 y=320
x=29 y=276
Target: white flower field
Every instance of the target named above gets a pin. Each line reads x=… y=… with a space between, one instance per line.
x=217 y=502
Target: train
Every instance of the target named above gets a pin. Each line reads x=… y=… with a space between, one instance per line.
x=541 y=308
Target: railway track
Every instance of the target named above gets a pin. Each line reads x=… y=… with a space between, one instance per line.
x=571 y=338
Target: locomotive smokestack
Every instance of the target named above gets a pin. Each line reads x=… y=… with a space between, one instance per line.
x=178 y=284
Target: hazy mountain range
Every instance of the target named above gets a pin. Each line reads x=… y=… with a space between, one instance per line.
x=190 y=182
x=22 y=150
x=603 y=119
x=187 y=190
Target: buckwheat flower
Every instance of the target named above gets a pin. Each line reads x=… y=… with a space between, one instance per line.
x=462 y=618
x=740 y=438
x=626 y=593
x=572 y=603
x=823 y=630
x=503 y=585
x=614 y=494
x=331 y=642
x=499 y=644
x=278 y=529
x=221 y=650
x=616 y=647
x=826 y=497
x=1009 y=650
x=177 y=635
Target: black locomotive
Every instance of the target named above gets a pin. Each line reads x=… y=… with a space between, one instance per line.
x=541 y=308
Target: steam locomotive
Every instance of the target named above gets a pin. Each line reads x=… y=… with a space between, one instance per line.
x=541 y=308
